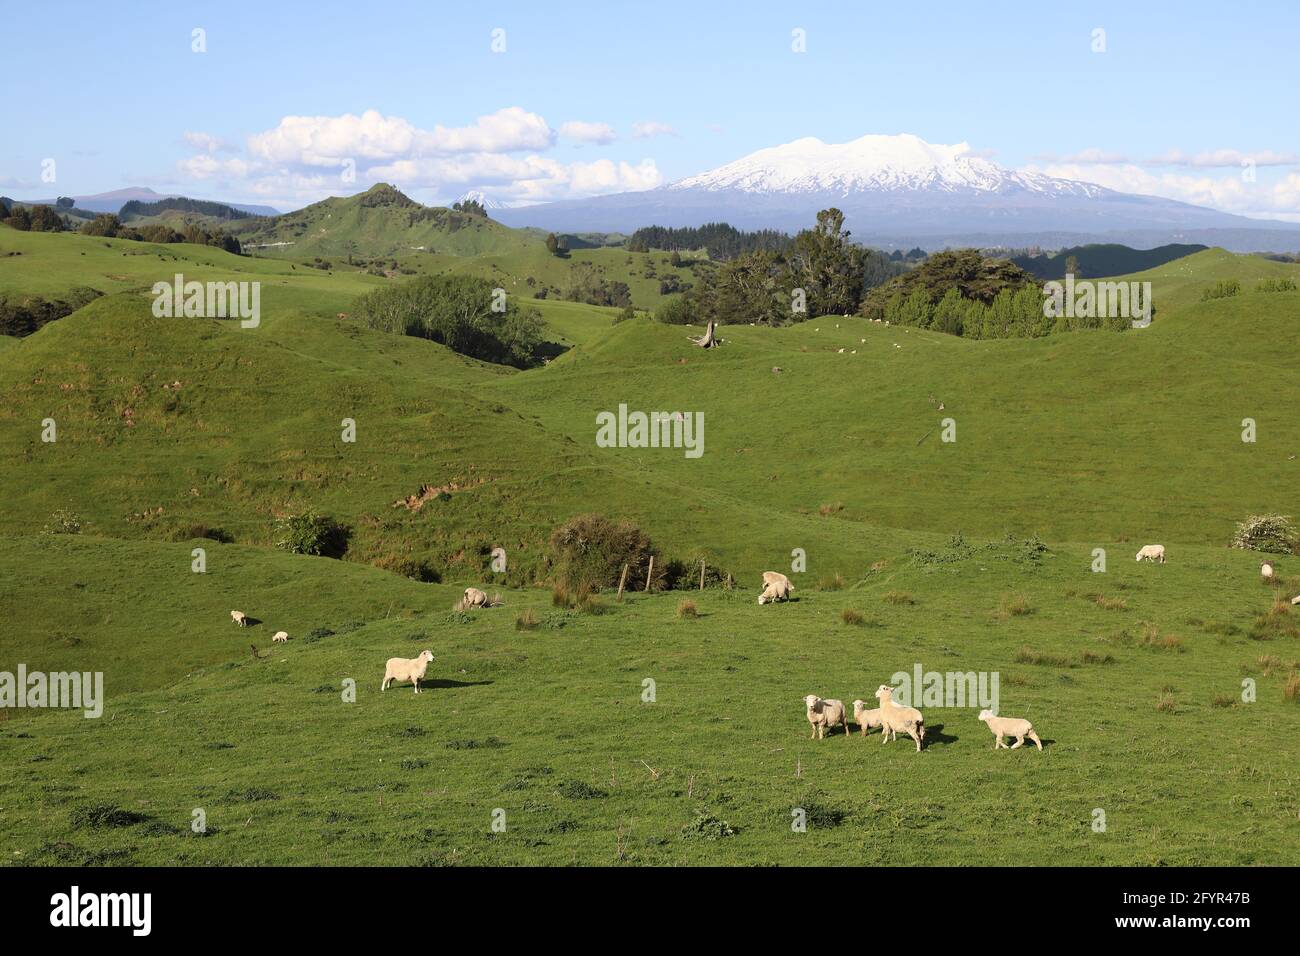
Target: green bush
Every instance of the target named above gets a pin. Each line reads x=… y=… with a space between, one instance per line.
x=676 y=310
x=1273 y=534
x=457 y=311
x=310 y=533
x=1223 y=289
x=588 y=553
x=62 y=522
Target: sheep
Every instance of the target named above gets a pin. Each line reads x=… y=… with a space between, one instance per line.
x=1152 y=552
x=1009 y=727
x=1296 y=599
x=240 y=618
x=894 y=717
x=1266 y=571
x=475 y=598
x=776 y=587
x=280 y=637
x=865 y=718
x=401 y=668
x=825 y=713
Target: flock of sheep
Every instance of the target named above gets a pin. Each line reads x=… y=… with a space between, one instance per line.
x=824 y=713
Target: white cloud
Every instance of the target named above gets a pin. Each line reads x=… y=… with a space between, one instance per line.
x=300 y=159
x=328 y=140
x=1228 y=191
x=585 y=132
x=1208 y=159
x=644 y=129
x=207 y=143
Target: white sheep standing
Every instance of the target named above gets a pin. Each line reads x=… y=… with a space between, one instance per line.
x=402 y=668
x=825 y=713
x=1009 y=727
x=280 y=637
x=865 y=718
x=1152 y=552
x=240 y=618
x=1266 y=571
x=895 y=717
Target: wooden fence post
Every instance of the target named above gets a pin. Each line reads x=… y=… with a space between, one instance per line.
x=649 y=575
x=622 y=580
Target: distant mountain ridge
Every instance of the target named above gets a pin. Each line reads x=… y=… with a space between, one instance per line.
x=114 y=200
x=901 y=190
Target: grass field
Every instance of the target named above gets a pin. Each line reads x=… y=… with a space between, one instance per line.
x=1133 y=677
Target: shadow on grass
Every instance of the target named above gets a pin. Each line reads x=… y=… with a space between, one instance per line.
x=443 y=683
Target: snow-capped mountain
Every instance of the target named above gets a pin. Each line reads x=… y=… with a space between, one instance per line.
x=874 y=163
x=901 y=190
x=483 y=200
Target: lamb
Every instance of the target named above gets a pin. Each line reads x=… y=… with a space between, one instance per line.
x=1266 y=571
x=825 y=713
x=865 y=718
x=280 y=637
x=240 y=618
x=1152 y=552
x=475 y=598
x=894 y=717
x=1009 y=727
x=402 y=669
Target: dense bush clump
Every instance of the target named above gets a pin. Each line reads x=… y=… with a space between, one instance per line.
x=458 y=312
x=588 y=553
x=310 y=533
x=1274 y=534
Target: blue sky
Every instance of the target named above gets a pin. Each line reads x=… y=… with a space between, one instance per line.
x=113 y=92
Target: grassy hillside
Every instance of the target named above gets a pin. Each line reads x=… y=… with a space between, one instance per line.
x=824 y=436
x=549 y=725
x=379 y=222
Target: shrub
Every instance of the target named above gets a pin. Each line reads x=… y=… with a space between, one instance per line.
x=310 y=533
x=1165 y=704
x=588 y=553
x=1273 y=285
x=852 y=617
x=687 y=609
x=409 y=567
x=1027 y=655
x=62 y=522
x=456 y=311
x=1273 y=534
x=1292 y=690
x=832 y=582
x=706 y=826
x=527 y=621
x=1223 y=289
x=676 y=310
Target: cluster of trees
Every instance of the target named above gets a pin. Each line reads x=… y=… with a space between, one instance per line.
x=465 y=313
x=821 y=272
x=33 y=218
x=22 y=315
x=471 y=206
x=587 y=285
x=110 y=227
x=720 y=240
x=962 y=293
x=557 y=245
x=201 y=207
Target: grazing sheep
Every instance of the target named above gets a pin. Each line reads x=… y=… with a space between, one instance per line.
x=865 y=718
x=776 y=587
x=1152 y=552
x=894 y=717
x=401 y=668
x=825 y=713
x=1009 y=727
x=240 y=618
x=1266 y=570
x=280 y=637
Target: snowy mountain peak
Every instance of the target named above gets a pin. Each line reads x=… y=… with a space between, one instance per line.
x=874 y=163
x=475 y=195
